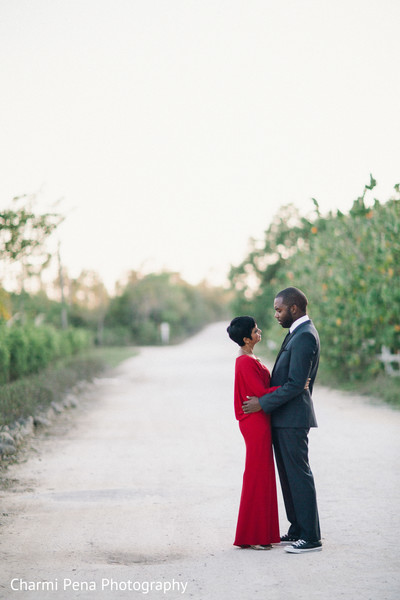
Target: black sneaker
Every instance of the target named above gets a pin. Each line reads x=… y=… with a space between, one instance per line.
x=288 y=539
x=302 y=546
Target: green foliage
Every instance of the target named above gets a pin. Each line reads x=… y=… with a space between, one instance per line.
x=349 y=268
x=41 y=347
x=35 y=307
x=117 y=336
x=26 y=349
x=17 y=342
x=23 y=233
x=147 y=301
x=4 y=360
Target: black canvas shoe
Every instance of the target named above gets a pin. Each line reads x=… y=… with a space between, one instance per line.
x=288 y=539
x=302 y=546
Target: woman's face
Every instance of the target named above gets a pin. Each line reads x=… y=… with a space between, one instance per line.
x=255 y=335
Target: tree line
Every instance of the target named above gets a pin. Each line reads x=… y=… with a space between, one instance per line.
x=38 y=328
x=349 y=267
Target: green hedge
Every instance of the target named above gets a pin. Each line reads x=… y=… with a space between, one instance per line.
x=349 y=268
x=27 y=349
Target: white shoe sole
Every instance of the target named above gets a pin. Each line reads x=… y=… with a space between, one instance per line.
x=297 y=551
x=287 y=543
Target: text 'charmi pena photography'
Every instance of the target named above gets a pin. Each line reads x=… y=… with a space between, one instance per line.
x=104 y=585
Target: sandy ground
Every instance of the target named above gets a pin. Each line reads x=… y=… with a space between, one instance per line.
x=136 y=494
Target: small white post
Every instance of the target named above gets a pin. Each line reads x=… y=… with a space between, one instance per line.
x=164 y=331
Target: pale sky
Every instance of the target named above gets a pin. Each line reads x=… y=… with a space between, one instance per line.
x=174 y=130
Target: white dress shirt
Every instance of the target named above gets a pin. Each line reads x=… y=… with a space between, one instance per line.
x=298 y=322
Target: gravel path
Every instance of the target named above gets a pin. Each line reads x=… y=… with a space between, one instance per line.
x=136 y=494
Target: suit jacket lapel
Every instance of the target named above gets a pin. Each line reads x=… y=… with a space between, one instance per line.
x=286 y=341
x=284 y=344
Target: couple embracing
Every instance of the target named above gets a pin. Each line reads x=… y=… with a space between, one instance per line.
x=277 y=411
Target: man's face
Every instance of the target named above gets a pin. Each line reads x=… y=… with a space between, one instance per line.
x=282 y=313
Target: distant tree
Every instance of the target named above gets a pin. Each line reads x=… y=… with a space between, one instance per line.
x=88 y=300
x=144 y=302
x=255 y=279
x=23 y=236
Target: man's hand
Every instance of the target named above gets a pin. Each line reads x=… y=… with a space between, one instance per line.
x=251 y=405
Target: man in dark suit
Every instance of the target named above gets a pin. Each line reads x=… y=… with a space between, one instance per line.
x=292 y=415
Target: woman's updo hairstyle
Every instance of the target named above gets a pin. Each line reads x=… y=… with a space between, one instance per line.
x=239 y=328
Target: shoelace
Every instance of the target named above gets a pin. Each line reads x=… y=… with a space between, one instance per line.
x=299 y=543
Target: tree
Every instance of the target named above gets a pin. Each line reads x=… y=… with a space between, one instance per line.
x=144 y=302
x=349 y=267
x=89 y=301
x=23 y=236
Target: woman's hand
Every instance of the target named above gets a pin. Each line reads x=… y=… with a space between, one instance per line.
x=306 y=387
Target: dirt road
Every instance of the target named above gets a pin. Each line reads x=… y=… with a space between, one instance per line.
x=137 y=494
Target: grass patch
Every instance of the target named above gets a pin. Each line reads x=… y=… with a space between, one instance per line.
x=383 y=386
x=30 y=395
x=112 y=356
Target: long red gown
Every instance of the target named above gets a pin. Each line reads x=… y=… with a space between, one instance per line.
x=258 y=511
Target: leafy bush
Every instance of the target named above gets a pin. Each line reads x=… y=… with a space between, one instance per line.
x=18 y=346
x=41 y=349
x=348 y=266
x=26 y=349
x=79 y=339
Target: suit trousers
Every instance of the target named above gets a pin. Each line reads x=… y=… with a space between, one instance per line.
x=297 y=482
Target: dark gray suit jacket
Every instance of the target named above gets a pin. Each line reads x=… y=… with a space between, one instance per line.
x=291 y=405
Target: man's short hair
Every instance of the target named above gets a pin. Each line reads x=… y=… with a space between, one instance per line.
x=292 y=295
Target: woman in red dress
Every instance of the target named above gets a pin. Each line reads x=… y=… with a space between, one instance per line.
x=257 y=525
